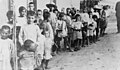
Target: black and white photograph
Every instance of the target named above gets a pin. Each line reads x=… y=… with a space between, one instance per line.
x=59 y=34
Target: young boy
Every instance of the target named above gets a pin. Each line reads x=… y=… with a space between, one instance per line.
x=21 y=19
x=30 y=31
x=77 y=34
x=6 y=49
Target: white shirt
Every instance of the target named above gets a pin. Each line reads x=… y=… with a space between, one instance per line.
x=29 y=31
x=21 y=21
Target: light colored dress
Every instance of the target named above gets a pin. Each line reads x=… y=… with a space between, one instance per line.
x=48 y=46
x=40 y=48
x=6 y=52
x=77 y=34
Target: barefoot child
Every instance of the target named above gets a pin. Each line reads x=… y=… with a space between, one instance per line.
x=77 y=27
x=48 y=46
x=6 y=49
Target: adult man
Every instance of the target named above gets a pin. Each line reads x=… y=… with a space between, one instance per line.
x=118 y=15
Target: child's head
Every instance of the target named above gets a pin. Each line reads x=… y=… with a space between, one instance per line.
x=5 y=32
x=29 y=45
x=39 y=13
x=62 y=16
x=10 y=16
x=31 y=6
x=47 y=34
x=90 y=14
x=95 y=17
x=46 y=16
x=31 y=17
x=78 y=17
x=22 y=11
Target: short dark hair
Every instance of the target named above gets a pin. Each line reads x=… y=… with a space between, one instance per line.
x=94 y=16
x=5 y=27
x=9 y=14
x=45 y=10
x=55 y=10
x=61 y=14
x=76 y=16
x=31 y=3
x=27 y=43
x=21 y=9
x=38 y=11
x=46 y=15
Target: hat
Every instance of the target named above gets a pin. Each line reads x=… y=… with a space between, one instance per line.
x=51 y=5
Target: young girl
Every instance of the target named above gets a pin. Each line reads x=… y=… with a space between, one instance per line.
x=77 y=27
x=27 y=58
x=6 y=49
x=48 y=46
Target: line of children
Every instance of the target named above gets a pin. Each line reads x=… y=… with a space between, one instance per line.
x=38 y=33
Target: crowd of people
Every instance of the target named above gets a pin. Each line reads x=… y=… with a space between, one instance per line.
x=40 y=35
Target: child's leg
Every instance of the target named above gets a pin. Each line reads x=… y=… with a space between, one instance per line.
x=94 y=38
x=43 y=64
x=66 y=46
x=87 y=40
x=97 y=33
x=79 y=44
x=91 y=39
x=46 y=64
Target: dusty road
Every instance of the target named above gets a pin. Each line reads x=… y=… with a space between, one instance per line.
x=103 y=55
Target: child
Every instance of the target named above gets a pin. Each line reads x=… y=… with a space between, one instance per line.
x=6 y=49
x=85 y=34
x=27 y=58
x=46 y=26
x=21 y=19
x=92 y=30
x=48 y=46
x=29 y=31
x=77 y=27
x=96 y=31
x=64 y=31
x=39 y=17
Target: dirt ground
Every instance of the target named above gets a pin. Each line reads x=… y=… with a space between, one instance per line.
x=103 y=55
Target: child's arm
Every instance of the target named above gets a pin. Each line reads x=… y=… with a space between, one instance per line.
x=21 y=36
x=13 y=49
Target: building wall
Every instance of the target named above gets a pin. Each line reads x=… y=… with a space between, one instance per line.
x=3 y=11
